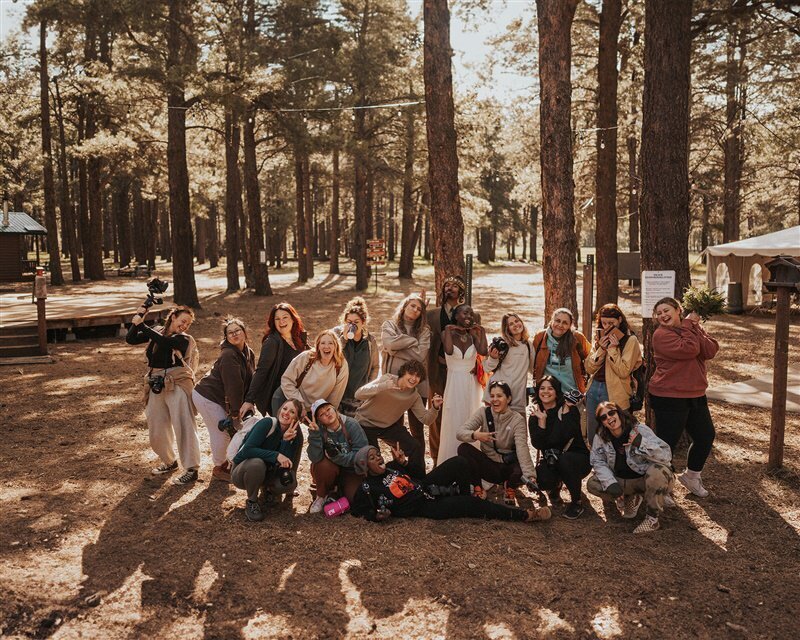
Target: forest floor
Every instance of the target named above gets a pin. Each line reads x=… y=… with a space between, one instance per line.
x=93 y=546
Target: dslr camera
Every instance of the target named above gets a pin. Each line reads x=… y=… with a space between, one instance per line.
x=573 y=397
x=440 y=491
x=499 y=344
x=155 y=287
x=156 y=383
x=285 y=476
x=551 y=457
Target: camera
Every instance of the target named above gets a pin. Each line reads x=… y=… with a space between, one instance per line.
x=226 y=425
x=499 y=344
x=155 y=287
x=573 y=397
x=440 y=491
x=285 y=476
x=530 y=392
x=551 y=457
x=156 y=383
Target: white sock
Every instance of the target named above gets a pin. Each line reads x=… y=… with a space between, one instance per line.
x=694 y=475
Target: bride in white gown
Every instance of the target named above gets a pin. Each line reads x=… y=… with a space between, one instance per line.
x=462 y=342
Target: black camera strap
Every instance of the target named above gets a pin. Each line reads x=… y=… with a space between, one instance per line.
x=490 y=424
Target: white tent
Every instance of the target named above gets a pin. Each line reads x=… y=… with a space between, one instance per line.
x=743 y=261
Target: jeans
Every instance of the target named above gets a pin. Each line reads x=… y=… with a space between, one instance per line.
x=673 y=415
x=595 y=394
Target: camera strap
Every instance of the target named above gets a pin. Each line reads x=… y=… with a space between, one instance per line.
x=490 y=424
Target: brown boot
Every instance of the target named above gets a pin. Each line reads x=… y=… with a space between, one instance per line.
x=535 y=515
x=222 y=472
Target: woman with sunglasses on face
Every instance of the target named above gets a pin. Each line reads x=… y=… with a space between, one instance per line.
x=220 y=393
x=678 y=387
x=514 y=364
x=560 y=352
x=630 y=460
x=615 y=355
x=555 y=429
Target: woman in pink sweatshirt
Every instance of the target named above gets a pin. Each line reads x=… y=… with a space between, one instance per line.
x=678 y=386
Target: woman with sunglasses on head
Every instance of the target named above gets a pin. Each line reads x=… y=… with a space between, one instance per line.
x=220 y=393
x=172 y=356
x=555 y=429
x=560 y=352
x=678 y=386
x=615 y=355
x=630 y=460
x=405 y=338
x=284 y=339
x=360 y=350
x=513 y=364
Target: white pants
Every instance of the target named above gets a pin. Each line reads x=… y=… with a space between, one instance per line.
x=212 y=413
x=169 y=415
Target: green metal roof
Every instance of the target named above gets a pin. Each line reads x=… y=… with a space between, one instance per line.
x=21 y=223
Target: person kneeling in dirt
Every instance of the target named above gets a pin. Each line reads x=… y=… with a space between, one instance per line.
x=267 y=460
x=444 y=493
x=333 y=440
x=629 y=460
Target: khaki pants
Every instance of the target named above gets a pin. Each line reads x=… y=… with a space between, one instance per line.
x=212 y=413
x=170 y=418
x=655 y=485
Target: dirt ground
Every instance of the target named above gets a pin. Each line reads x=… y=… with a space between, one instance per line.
x=93 y=546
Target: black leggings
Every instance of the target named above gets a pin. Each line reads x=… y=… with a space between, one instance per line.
x=673 y=415
x=398 y=434
x=466 y=507
x=484 y=468
x=572 y=467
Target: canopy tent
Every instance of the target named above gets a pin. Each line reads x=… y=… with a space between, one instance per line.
x=743 y=261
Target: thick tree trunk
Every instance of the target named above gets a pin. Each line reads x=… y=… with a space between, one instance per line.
x=445 y=206
x=534 y=213
x=259 y=267
x=213 y=237
x=333 y=239
x=406 y=267
x=233 y=196
x=122 y=217
x=606 y=175
x=558 y=217
x=633 y=196
x=361 y=198
x=201 y=241
x=733 y=144
x=165 y=233
x=68 y=225
x=51 y=222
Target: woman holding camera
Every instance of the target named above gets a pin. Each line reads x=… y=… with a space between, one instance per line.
x=360 y=350
x=405 y=338
x=268 y=456
x=172 y=357
x=511 y=360
x=678 y=387
x=630 y=460
x=284 y=339
x=503 y=457
x=220 y=393
x=462 y=342
x=555 y=429
x=615 y=355
x=560 y=351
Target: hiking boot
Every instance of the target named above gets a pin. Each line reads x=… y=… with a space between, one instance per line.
x=573 y=511
x=222 y=472
x=187 y=477
x=510 y=497
x=478 y=492
x=253 y=511
x=555 y=497
x=630 y=505
x=317 y=505
x=694 y=485
x=164 y=468
x=650 y=523
x=536 y=515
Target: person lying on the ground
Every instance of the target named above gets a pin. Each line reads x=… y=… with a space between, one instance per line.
x=388 y=491
x=268 y=457
x=630 y=460
x=383 y=405
x=333 y=440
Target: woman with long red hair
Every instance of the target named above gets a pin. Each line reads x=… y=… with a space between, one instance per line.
x=284 y=339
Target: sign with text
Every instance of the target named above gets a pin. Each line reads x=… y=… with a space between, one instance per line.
x=656 y=285
x=376 y=251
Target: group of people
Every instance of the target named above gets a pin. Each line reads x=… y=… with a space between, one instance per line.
x=352 y=391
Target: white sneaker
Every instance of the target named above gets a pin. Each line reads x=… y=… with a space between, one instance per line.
x=317 y=505
x=694 y=485
x=630 y=505
x=647 y=525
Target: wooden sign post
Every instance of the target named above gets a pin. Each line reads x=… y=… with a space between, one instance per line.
x=376 y=256
x=40 y=293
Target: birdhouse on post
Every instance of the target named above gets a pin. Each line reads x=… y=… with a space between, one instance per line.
x=784 y=280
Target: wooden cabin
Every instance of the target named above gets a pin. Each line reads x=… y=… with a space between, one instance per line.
x=14 y=226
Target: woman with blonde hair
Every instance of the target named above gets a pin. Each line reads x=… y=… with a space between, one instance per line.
x=511 y=360
x=172 y=357
x=320 y=372
x=360 y=350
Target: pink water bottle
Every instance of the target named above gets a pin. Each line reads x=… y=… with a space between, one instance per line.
x=337 y=507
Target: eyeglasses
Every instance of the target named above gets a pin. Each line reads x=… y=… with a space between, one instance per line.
x=233 y=334
x=604 y=416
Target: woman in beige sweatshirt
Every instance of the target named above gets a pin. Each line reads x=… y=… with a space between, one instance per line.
x=320 y=373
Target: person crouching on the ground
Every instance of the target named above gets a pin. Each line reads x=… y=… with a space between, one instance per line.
x=390 y=491
x=383 y=405
x=172 y=357
x=318 y=373
x=615 y=355
x=360 y=350
x=678 y=386
x=555 y=429
x=220 y=393
x=514 y=364
x=629 y=460
x=333 y=440
x=270 y=450
x=504 y=455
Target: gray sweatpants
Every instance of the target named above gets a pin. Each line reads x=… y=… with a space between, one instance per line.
x=655 y=485
x=250 y=475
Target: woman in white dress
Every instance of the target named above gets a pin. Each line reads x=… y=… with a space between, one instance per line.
x=463 y=342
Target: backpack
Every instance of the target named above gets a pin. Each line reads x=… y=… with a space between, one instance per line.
x=639 y=384
x=241 y=435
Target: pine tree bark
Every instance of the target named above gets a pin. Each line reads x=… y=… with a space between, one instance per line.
x=233 y=195
x=213 y=238
x=256 y=240
x=733 y=144
x=534 y=213
x=558 y=216
x=151 y=230
x=68 y=225
x=333 y=239
x=300 y=223
x=361 y=199
x=165 y=234
x=122 y=218
x=308 y=219
x=406 y=267
x=445 y=206
x=606 y=174
x=633 y=195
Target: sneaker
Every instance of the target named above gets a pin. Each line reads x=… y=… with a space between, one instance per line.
x=573 y=511
x=510 y=497
x=630 y=505
x=222 y=472
x=187 y=477
x=694 y=485
x=478 y=492
x=253 y=511
x=555 y=497
x=536 y=515
x=164 y=468
x=647 y=525
x=317 y=505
